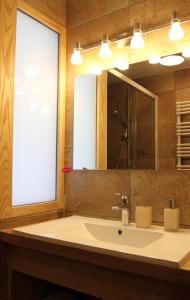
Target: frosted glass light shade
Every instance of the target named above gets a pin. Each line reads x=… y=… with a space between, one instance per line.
x=35 y=113
x=122 y=64
x=105 y=51
x=154 y=59
x=137 y=41
x=176 y=31
x=76 y=58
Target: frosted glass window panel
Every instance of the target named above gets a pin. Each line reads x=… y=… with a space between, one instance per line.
x=35 y=112
x=84 y=148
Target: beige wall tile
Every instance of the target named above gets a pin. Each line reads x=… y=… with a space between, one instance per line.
x=167 y=163
x=91 y=32
x=183 y=94
x=182 y=79
x=92 y=192
x=69 y=118
x=153 y=13
x=159 y=83
x=55 y=9
x=166 y=108
x=167 y=142
x=155 y=188
x=82 y=11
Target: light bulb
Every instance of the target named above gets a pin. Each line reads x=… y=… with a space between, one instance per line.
x=186 y=52
x=154 y=59
x=76 y=58
x=96 y=70
x=122 y=64
x=105 y=51
x=171 y=60
x=137 y=41
x=176 y=31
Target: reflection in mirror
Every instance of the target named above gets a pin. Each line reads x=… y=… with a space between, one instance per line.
x=121 y=135
x=84 y=142
x=128 y=131
x=130 y=124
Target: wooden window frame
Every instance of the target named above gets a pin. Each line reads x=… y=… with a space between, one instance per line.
x=7 y=59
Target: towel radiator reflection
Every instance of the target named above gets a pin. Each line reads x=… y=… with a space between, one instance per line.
x=183 y=135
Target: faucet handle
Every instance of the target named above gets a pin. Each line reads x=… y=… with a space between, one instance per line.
x=124 y=198
x=121 y=195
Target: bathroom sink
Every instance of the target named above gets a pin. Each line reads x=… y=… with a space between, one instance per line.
x=111 y=237
x=123 y=236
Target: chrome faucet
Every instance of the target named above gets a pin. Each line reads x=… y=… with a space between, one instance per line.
x=125 y=204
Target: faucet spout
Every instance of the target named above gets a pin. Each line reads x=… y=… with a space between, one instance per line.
x=125 y=207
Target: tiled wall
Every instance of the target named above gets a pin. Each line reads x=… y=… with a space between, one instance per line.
x=91 y=192
x=170 y=87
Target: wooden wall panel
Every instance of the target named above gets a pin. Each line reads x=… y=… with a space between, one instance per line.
x=3 y=272
x=7 y=55
x=38 y=10
x=54 y=9
x=101 y=149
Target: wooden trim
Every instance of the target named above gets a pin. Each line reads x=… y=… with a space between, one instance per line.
x=132 y=82
x=34 y=13
x=7 y=62
x=101 y=147
x=81 y=253
x=7 y=58
x=61 y=118
x=156 y=133
x=3 y=271
x=31 y=219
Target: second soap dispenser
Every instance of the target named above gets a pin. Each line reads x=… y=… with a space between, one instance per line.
x=171 y=217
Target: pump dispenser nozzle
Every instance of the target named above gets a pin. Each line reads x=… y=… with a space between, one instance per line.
x=172 y=203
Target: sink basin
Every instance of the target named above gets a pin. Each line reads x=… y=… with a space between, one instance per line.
x=125 y=236
x=111 y=237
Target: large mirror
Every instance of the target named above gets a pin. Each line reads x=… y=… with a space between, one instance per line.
x=127 y=119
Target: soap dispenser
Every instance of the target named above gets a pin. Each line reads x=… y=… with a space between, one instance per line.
x=171 y=217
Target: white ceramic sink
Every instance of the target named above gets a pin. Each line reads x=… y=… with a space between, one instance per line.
x=123 y=236
x=105 y=236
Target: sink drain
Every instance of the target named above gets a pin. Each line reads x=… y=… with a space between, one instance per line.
x=120 y=232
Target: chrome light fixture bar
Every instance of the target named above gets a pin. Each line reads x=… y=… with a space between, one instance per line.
x=135 y=40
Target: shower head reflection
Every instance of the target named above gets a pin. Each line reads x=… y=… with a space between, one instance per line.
x=118 y=117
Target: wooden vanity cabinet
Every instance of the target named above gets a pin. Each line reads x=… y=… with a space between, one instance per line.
x=25 y=261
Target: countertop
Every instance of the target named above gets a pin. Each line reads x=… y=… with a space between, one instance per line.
x=96 y=256
x=170 y=249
